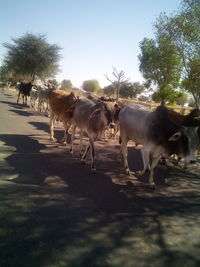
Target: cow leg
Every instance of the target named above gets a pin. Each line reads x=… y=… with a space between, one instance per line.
x=39 y=106
x=124 y=142
x=72 y=138
x=93 y=155
x=66 y=126
x=154 y=163
x=83 y=158
x=18 y=97
x=81 y=142
x=145 y=160
x=52 y=121
x=104 y=133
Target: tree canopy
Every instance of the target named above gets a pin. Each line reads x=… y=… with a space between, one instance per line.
x=131 y=90
x=174 y=54
x=31 y=56
x=183 y=29
x=66 y=85
x=91 y=86
x=160 y=65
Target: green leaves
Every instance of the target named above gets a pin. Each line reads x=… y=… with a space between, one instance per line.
x=174 y=54
x=160 y=65
x=91 y=86
x=31 y=56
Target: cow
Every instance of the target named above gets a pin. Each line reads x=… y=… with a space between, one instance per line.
x=159 y=136
x=33 y=96
x=193 y=142
x=192 y=120
x=43 y=98
x=110 y=130
x=24 y=90
x=61 y=107
x=91 y=118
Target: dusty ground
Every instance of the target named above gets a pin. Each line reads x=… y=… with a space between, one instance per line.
x=54 y=212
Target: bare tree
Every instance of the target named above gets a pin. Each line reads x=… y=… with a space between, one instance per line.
x=118 y=80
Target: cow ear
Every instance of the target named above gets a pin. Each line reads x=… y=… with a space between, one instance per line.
x=95 y=113
x=175 y=137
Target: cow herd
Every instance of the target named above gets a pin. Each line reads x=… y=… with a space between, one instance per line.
x=162 y=133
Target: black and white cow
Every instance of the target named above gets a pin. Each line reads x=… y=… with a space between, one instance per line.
x=91 y=118
x=156 y=132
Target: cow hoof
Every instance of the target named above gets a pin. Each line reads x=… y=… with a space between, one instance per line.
x=93 y=170
x=139 y=173
x=71 y=152
x=152 y=186
x=83 y=161
x=63 y=141
x=127 y=171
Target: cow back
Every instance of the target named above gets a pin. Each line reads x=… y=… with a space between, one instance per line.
x=61 y=103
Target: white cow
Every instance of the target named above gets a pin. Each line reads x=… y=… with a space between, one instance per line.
x=156 y=132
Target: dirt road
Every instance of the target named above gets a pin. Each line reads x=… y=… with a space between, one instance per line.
x=54 y=212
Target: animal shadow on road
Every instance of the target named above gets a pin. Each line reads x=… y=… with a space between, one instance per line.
x=55 y=211
x=14 y=105
x=43 y=126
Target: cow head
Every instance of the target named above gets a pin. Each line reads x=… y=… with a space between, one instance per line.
x=109 y=112
x=195 y=113
x=184 y=143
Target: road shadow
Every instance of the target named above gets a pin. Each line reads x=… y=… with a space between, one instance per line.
x=56 y=213
x=43 y=126
x=14 y=105
x=22 y=112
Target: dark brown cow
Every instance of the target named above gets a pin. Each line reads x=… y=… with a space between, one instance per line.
x=24 y=90
x=191 y=119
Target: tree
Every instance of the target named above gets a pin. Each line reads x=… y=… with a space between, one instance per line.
x=191 y=83
x=5 y=74
x=109 y=90
x=160 y=65
x=169 y=95
x=91 y=86
x=53 y=82
x=144 y=98
x=182 y=100
x=117 y=81
x=183 y=29
x=66 y=85
x=131 y=89
x=31 y=57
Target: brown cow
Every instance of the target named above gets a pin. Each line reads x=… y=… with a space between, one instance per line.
x=61 y=107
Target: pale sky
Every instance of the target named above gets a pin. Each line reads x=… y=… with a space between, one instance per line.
x=94 y=34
